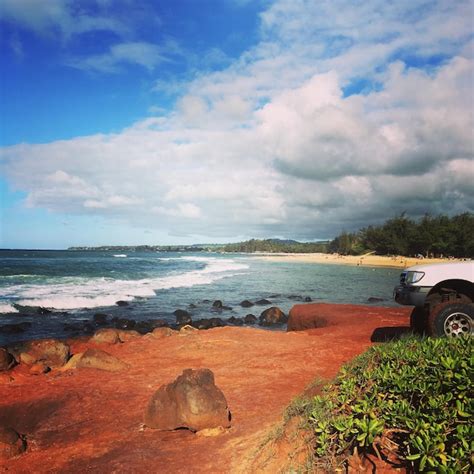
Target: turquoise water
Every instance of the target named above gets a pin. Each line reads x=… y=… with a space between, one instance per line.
x=75 y=285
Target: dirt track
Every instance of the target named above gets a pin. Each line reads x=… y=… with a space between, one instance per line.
x=87 y=420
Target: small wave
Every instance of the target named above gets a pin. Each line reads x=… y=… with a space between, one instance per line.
x=7 y=308
x=120 y=255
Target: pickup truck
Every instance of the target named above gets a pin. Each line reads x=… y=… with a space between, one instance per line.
x=443 y=296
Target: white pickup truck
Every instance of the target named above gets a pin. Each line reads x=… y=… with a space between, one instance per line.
x=443 y=296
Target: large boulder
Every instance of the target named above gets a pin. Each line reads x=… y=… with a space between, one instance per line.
x=97 y=359
x=272 y=316
x=246 y=304
x=11 y=443
x=49 y=352
x=7 y=361
x=192 y=401
x=312 y=316
x=250 y=319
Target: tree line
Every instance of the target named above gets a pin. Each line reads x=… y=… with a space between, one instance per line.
x=275 y=246
x=429 y=236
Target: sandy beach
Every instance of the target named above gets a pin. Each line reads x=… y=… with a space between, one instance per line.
x=367 y=260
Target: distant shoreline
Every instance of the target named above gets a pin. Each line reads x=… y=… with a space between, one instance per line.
x=367 y=260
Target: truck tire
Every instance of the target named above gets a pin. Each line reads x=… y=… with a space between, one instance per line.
x=451 y=319
x=418 y=321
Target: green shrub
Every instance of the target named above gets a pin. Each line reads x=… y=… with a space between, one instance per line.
x=412 y=398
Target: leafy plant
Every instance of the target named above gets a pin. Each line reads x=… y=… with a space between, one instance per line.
x=412 y=399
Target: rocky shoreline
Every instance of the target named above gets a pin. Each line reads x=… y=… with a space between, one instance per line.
x=89 y=412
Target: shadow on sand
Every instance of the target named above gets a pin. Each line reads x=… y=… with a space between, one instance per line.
x=389 y=333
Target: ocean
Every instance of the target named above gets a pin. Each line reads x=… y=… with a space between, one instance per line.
x=75 y=285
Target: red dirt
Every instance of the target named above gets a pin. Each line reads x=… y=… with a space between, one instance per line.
x=89 y=420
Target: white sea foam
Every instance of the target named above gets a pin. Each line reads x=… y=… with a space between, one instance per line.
x=73 y=293
x=120 y=255
x=7 y=308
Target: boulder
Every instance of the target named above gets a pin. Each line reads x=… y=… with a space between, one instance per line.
x=49 y=352
x=128 y=335
x=250 y=319
x=159 y=333
x=7 y=361
x=182 y=317
x=263 y=302
x=208 y=323
x=11 y=443
x=307 y=299
x=304 y=317
x=159 y=323
x=98 y=359
x=217 y=304
x=106 y=336
x=121 y=303
x=272 y=316
x=246 y=304
x=235 y=321
x=192 y=401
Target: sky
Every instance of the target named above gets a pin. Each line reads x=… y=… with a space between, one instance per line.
x=126 y=122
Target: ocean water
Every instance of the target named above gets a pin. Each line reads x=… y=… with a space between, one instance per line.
x=75 y=285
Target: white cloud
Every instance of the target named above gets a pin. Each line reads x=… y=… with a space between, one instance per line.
x=272 y=145
x=144 y=54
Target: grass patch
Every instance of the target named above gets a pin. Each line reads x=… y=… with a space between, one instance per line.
x=409 y=402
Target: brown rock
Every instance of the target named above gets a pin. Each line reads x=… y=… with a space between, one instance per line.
x=192 y=401
x=304 y=317
x=11 y=444
x=158 y=333
x=97 y=359
x=49 y=352
x=125 y=336
x=106 y=336
x=7 y=361
x=272 y=316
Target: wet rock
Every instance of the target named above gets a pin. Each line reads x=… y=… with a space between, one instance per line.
x=98 y=359
x=307 y=299
x=374 y=299
x=100 y=319
x=121 y=303
x=275 y=296
x=235 y=321
x=263 y=302
x=15 y=328
x=192 y=306
x=250 y=319
x=192 y=401
x=11 y=443
x=106 y=336
x=246 y=304
x=50 y=352
x=208 y=323
x=123 y=323
x=41 y=310
x=295 y=297
x=144 y=327
x=7 y=361
x=159 y=323
x=272 y=316
x=182 y=317
x=217 y=304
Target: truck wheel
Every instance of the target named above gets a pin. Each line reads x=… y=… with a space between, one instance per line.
x=451 y=319
x=418 y=321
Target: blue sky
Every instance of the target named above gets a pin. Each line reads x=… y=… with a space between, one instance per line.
x=129 y=122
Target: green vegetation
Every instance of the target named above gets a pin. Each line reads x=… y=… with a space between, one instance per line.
x=275 y=246
x=410 y=400
x=440 y=235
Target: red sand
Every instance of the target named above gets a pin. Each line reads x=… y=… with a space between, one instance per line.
x=86 y=420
